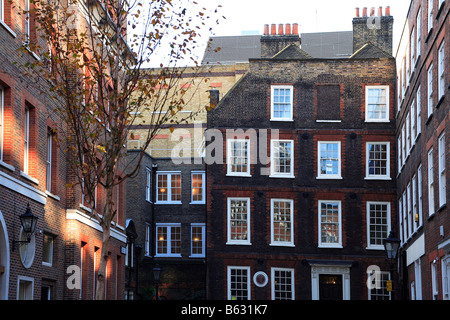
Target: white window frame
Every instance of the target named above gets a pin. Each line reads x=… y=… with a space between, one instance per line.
x=370 y=245
x=413 y=48
x=441 y=70
x=272 y=103
x=147 y=244
x=274 y=282
x=419 y=111
x=399 y=153
x=382 y=292
x=400 y=219
x=148 y=184
x=404 y=154
x=430 y=15
x=430 y=104
x=414 y=203
x=368 y=88
x=231 y=241
x=273 y=241
x=26 y=143
x=169 y=187
x=29 y=289
x=419 y=33
x=203 y=240
x=413 y=123
x=49 y=161
x=442 y=170
x=229 y=284
x=170 y=227
x=203 y=187
x=418 y=279
x=319 y=158
x=51 y=247
x=420 y=194
x=27 y=17
x=430 y=183
x=2 y=10
x=335 y=244
x=245 y=173
x=408 y=133
x=387 y=176
x=434 y=280
x=274 y=153
x=409 y=209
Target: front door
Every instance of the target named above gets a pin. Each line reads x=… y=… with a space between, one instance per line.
x=330 y=286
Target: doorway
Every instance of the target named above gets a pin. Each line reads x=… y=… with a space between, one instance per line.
x=330 y=286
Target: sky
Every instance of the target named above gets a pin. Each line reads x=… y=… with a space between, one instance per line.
x=312 y=16
x=238 y=16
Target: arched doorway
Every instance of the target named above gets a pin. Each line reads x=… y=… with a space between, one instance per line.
x=4 y=259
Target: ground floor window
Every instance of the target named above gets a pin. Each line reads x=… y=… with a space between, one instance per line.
x=238 y=283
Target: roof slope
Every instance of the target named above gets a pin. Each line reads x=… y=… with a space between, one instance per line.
x=369 y=51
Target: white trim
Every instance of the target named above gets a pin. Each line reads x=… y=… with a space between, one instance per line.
x=329 y=176
x=74 y=214
x=272 y=89
x=247 y=269
x=169 y=175
x=388 y=223
x=238 y=242
x=22 y=188
x=318 y=268
x=386 y=87
x=203 y=226
x=272 y=276
x=274 y=174
x=169 y=227
x=239 y=174
x=27 y=279
x=337 y=244
x=203 y=188
x=387 y=176
x=273 y=242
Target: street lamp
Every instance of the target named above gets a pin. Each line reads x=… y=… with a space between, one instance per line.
x=391 y=245
x=156 y=277
x=29 y=222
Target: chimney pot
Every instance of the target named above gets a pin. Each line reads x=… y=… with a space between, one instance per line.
x=380 y=11
x=364 y=12
x=266 y=29
x=372 y=11
x=273 y=29
x=388 y=11
x=357 y=12
x=295 y=29
x=280 y=29
x=288 y=29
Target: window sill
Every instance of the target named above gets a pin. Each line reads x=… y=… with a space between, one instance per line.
x=328 y=178
x=441 y=99
x=4 y=25
x=430 y=31
x=238 y=243
x=7 y=166
x=197 y=202
x=26 y=176
x=168 y=202
x=167 y=255
x=239 y=175
x=329 y=121
x=51 y=195
x=282 y=177
x=281 y=120
x=378 y=178
x=377 y=121
x=429 y=119
x=275 y=244
x=337 y=246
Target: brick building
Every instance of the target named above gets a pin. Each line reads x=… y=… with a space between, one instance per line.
x=34 y=171
x=423 y=151
x=301 y=175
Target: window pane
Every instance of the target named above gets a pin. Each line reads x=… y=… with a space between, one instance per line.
x=282 y=157
x=197 y=187
x=283 y=285
x=238 y=220
x=162 y=187
x=176 y=187
x=282 y=103
x=329 y=159
x=282 y=223
x=239 y=156
x=377 y=104
x=238 y=285
x=329 y=222
x=378 y=223
x=378 y=159
x=162 y=240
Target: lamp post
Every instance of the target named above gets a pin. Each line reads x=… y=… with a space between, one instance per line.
x=391 y=245
x=29 y=222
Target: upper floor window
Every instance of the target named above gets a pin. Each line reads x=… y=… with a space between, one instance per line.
x=2 y=10
x=430 y=15
x=27 y=22
x=282 y=222
x=197 y=240
x=169 y=187
x=282 y=103
x=238 y=157
x=148 y=190
x=442 y=178
x=26 y=141
x=329 y=160
x=282 y=158
x=378 y=223
x=330 y=227
x=378 y=160
x=441 y=70
x=238 y=221
x=377 y=103
x=198 y=187
x=168 y=240
x=419 y=32
x=430 y=183
x=430 y=89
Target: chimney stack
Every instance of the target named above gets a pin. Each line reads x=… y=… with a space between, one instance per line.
x=278 y=38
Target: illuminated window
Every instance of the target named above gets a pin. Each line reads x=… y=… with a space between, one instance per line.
x=197 y=240
x=198 y=187
x=168 y=188
x=168 y=240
